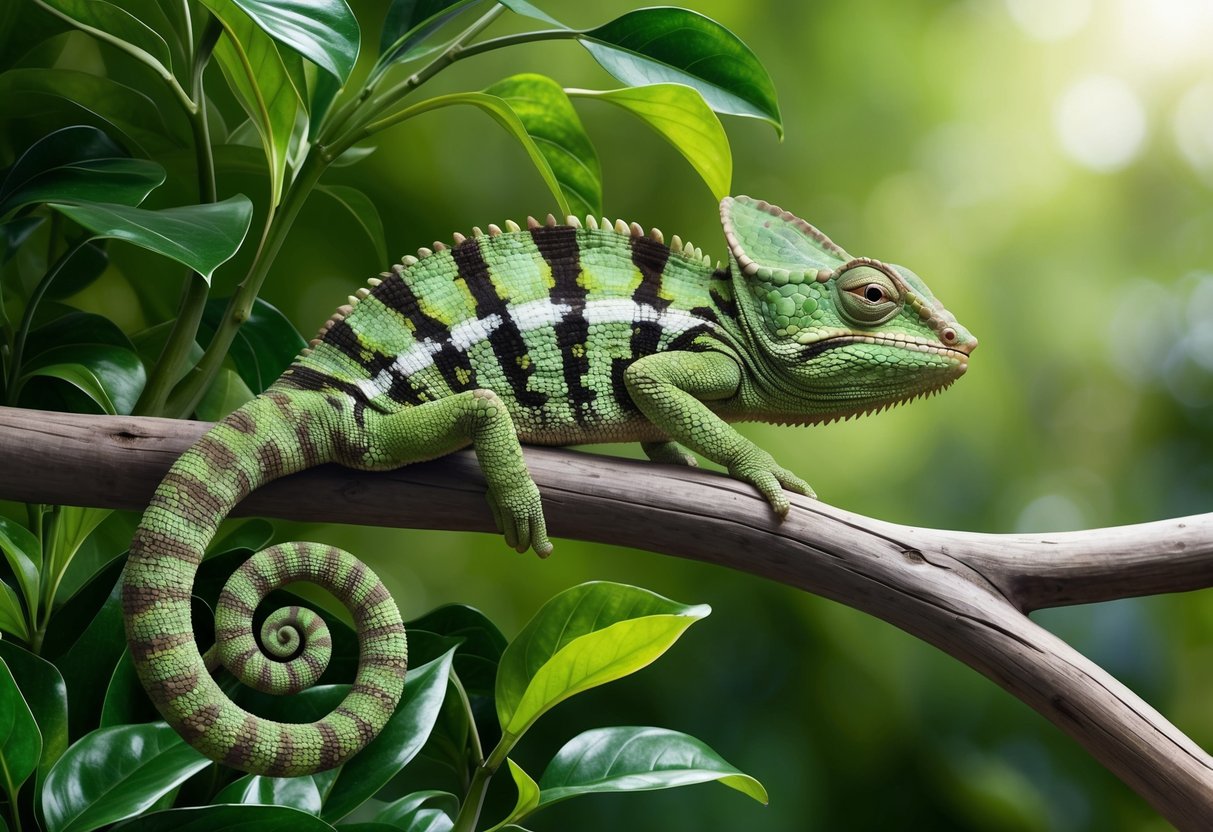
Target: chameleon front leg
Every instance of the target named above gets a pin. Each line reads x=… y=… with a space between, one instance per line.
x=669 y=453
x=480 y=418
x=670 y=390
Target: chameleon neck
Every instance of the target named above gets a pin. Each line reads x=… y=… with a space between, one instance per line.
x=274 y=435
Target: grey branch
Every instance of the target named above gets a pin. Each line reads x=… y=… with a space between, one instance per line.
x=965 y=593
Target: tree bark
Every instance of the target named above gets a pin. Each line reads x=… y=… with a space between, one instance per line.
x=965 y=593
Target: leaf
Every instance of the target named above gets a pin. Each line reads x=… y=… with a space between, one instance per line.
x=116 y=773
x=259 y=79
x=202 y=237
x=226 y=393
x=683 y=119
x=400 y=740
x=12 y=616
x=408 y=26
x=66 y=93
x=264 y=346
x=585 y=636
x=323 y=31
x=14 y=233
x=364 y=211
x=527 y=10
x=679 y=46
x=44 y=692
x=101 y=18
x=100 y=640
x=126 y=703
x=77 y=164
x=235 y=818
x=625 y=759
x=552 y=123
x=297 y=792
x=20 y=742
x=528 y=796
x=423 y=811
x=24 y=554
x=477 y=657
x=113 y=377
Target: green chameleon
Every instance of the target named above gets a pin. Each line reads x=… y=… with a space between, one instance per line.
x=553 y=334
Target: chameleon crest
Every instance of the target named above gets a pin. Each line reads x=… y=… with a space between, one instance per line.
x=553 y=333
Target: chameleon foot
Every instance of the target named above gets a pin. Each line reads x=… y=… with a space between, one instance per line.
x=518 y=513
x=669 y=453
x=759 y=469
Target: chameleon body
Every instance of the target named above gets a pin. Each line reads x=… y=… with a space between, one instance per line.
x=551 y=334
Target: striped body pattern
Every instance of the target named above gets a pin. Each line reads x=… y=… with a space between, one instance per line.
x=553 y=333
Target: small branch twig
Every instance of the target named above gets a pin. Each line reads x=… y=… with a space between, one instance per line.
x=965 y=593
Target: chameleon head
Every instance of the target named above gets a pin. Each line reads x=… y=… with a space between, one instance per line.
x=851 y=333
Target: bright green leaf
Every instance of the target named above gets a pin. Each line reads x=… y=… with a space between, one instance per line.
x=679 y=46
x=12 y=616
x=683 y=119
x=254 y=69
x=20 y=741
x=323 y=31
x=552 y=123
x=202 y=237
x=113 y=377
x=44 y=692
x=584 y=637
x=365 y=212
x=24 y=554
x=528 y=796
x=233 y=818
x=297 y=792
x=116 y=773
x=401 y=739
x=625 y=759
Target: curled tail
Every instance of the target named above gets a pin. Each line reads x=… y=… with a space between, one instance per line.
x=269 y=437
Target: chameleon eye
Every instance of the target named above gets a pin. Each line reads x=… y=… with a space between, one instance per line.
x=867 y=295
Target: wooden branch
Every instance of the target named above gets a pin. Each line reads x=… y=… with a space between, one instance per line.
x=965 y=593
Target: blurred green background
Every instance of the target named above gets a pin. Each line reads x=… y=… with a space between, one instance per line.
x=1047 y=167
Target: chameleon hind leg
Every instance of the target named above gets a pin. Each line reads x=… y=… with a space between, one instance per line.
x=671 y=389
x=479 y=418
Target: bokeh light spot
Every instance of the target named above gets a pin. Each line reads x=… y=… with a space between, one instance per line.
x=1194 y=127
x=1100 y=122
x=1050 y=20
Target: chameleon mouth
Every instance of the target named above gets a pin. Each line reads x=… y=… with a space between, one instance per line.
x=959 y=357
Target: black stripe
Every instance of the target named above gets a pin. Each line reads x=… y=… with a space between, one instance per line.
x=506 y=340
x=706 y=313
x=814 y=350
x=452 y=362
x=558 y=247
x=686 y=341
x=722 y=296
x=403 y=390
x=650 y=257
x=302 y=377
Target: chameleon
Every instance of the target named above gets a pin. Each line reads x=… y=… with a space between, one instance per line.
x=554 y=333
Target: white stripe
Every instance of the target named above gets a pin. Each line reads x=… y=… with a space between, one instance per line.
x=473 y=331
x=538 y=313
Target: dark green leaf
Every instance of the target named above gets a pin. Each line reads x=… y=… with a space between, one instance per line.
x=14 y=233
x=24 y=554
x=88 y=263
x=68 y=94
x=424 y=811
x=20 y=742
x=408 y=26
x=584 y=637
x=552 y=123
x=400 y=740
x=100 y=639
x=528 y=10
x=108 y=541
x=112 y=377
x=323 y=31
x=365 y=212
x=683 y=119
x=265 y=345
x=248 y=818
x=297 y=792
x=202 y=237
x=46 y=695
x=477 y=657
x=679 y=46
x=77 y=163
x=99 y=17
x=624 y=759
x=126 y=703
x=116 y=773
x=258 y=77
x=74 y=328
x=249 y=535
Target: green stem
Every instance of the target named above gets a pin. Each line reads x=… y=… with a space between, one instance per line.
x=187 y=395
x=193 y=299
x=27 y=319
x=473 y=802
x=51 y=577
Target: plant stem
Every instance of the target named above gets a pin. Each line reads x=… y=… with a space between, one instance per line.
x=469 y=811
x=197 y=288
x=190 y=391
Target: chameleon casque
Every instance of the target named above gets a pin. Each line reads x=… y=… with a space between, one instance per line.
x=551 y=334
